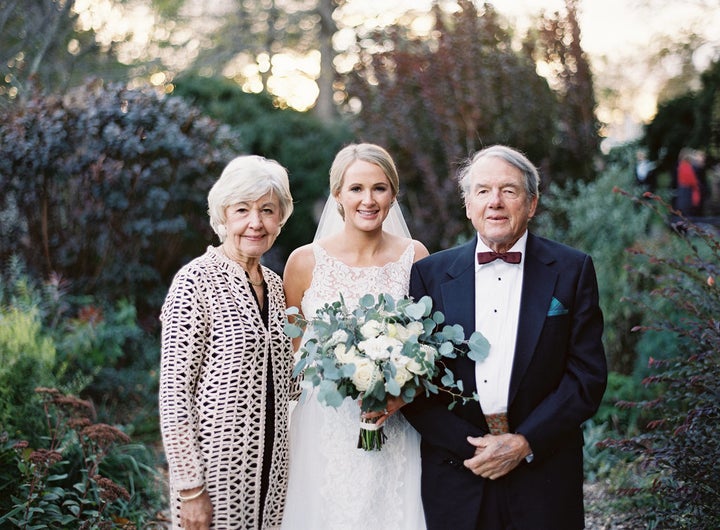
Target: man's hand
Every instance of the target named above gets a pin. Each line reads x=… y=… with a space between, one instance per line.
x=497 y=455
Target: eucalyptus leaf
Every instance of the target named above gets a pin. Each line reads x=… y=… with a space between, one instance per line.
x=446 y=349
x=479 y=347
x=415 y=311
x=330 y=369
x=293 y=331
x=393 y=387
x=367 y=301
x=328 y=394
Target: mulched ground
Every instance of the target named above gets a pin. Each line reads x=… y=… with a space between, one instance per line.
x=599 y=514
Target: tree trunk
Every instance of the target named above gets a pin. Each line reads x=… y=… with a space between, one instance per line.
x=325 y=106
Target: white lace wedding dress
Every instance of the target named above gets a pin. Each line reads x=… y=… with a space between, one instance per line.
x=333 y=484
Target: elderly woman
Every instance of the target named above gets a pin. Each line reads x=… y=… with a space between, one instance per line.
x=226 y=364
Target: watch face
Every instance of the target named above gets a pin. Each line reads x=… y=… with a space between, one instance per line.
x=529 y=458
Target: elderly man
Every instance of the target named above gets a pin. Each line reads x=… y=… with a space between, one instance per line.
x=513 y=460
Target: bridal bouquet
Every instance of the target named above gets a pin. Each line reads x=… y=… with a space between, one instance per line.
x=380 y=349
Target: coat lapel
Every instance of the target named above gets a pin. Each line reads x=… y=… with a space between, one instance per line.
x=458 y=293
x=458 y=296
x=539 y=279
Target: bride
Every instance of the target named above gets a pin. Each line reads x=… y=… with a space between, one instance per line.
x=362 y=246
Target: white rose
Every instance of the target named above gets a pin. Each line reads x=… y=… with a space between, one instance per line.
x=371 y=329
x=429 y=355
x=338 y=336
x=430 y=352
x=402 y=376
x=398 y=359
x=345 y=355
x=395 y=331
x=365 y=374
x=378 y=347
x=413 y=329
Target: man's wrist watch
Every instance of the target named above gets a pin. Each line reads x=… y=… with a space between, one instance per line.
x=529 y=458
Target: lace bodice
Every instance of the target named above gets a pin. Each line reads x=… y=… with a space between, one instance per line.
x=331 y=277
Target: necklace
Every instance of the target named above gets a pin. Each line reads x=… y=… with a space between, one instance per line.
x=256 y=284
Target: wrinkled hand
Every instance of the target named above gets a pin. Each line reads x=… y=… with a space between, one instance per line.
x=393 y=405
x=497 y=455
x=197 y=513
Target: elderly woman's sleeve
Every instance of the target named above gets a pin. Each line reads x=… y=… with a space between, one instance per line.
x=184 y=343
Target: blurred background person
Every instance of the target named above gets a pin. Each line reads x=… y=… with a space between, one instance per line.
x=644 y=170
x=689 y=193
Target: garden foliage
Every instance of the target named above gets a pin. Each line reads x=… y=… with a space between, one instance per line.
x=679 y=448
x=106 y=187
x=589 y=216
x=83 y=345
x=53 y=473
x=65 y=482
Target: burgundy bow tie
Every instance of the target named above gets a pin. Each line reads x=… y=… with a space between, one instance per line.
x=508 y=257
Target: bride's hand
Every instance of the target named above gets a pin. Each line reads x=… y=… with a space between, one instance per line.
x=393 y=405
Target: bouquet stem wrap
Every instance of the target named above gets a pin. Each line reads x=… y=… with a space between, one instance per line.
x=372 y=436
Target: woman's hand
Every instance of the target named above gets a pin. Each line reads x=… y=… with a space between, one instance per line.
x=393 y=405
x=196 y=514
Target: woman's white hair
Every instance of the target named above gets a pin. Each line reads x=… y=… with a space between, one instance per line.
x=246 y=179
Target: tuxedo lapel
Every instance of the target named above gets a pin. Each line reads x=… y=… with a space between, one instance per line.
x=458 y=298
x=539 y=279
x=458 y=292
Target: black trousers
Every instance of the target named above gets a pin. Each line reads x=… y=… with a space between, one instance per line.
x=495 y=507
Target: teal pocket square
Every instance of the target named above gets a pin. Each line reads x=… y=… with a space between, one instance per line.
x=556 y=308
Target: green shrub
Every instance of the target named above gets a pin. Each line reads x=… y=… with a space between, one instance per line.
x=621 y=419
x=95 y=350
x=27 y=359
x=87 y=475
x=118 y=360
x=679 y=446
x=589 y=216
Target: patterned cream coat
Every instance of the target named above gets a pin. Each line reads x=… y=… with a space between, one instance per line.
x=216 y=353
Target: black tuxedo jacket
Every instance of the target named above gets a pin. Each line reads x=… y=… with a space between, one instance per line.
x=558 y=378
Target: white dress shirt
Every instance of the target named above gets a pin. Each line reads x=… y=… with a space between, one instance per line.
x=498 y=286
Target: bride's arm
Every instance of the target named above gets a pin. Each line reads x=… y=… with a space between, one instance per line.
x=296 y=279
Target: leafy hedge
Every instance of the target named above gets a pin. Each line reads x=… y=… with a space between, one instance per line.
x=106 y=187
